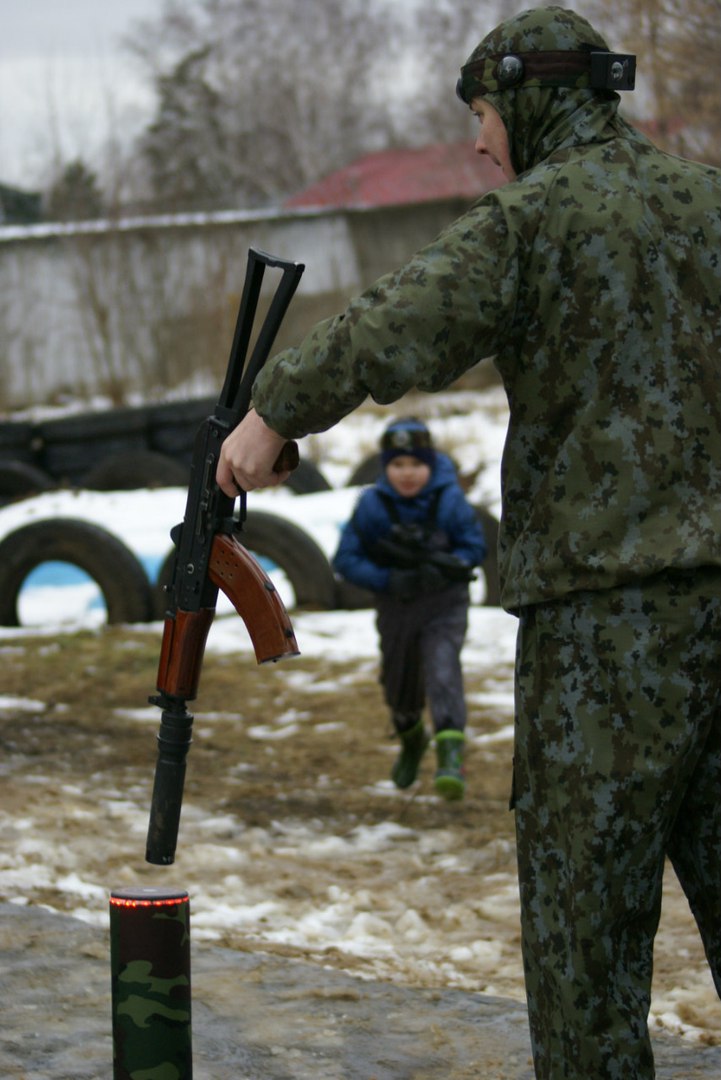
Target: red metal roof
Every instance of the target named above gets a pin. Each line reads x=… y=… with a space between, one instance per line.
x=396 y=177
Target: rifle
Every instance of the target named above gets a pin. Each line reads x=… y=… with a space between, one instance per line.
x=210 y=557
x=408 y=547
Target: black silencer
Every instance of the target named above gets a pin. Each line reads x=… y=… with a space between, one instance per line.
x=174 y=739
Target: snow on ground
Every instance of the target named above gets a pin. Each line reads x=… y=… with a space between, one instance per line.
x=472 y=431
x=55 y=602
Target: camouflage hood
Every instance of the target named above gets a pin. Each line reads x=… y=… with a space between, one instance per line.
x=542 y=118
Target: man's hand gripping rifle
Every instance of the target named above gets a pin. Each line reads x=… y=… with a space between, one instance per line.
x=209 y=557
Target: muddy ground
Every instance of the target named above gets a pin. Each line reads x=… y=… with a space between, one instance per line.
x=293 y=842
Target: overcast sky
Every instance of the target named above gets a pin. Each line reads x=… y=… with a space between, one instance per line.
x=66 y=84
x=64 y=81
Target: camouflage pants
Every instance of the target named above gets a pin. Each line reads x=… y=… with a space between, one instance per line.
x=617 y=765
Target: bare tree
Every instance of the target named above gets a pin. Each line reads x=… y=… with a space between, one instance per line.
x=679 y=55
x=694 y=54
x=439 y=38
x=250 y=105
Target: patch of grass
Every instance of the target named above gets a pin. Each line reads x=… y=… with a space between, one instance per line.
x=265 y=744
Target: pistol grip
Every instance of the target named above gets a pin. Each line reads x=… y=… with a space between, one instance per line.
x=288 y=459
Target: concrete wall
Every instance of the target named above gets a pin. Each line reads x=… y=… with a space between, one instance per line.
x=147 y=305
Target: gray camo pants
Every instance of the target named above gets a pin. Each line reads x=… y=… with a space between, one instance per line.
x=421 y=644
x=617 y=765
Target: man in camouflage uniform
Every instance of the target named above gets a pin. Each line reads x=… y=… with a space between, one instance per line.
x=594 y=276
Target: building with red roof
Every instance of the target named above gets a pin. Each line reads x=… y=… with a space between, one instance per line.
x=439 y=172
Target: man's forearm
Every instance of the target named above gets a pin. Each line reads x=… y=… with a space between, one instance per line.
x=412 y=329
x=309 y=388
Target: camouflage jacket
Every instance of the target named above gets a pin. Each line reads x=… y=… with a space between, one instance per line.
x=595 y=281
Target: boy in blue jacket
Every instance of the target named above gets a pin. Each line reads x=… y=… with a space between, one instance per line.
x=413 y=540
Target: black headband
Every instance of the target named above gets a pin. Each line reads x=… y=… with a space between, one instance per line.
x=596 y=69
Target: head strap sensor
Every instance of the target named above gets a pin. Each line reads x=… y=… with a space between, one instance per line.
x=509 y=72
x=594 y=68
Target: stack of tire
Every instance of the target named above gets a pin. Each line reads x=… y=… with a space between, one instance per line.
x=112 y=450
x=129 y=595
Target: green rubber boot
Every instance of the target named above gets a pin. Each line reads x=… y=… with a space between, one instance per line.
x=414 y=743
x=449 y=779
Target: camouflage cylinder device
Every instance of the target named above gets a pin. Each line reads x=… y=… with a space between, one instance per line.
x=150 y=972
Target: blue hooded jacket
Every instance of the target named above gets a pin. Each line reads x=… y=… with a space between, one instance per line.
x=372 y=521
